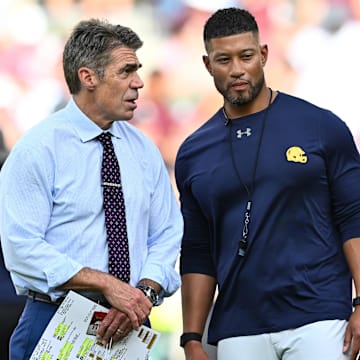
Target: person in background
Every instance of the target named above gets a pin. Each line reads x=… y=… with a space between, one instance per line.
x=53 y=225
x=270 y=195
x=11 y=305
x=3 y=150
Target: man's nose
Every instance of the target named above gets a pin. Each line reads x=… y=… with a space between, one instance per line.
x=237 y=68
x=137 y=82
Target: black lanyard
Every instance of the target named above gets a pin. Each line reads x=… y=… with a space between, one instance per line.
x=243 y=243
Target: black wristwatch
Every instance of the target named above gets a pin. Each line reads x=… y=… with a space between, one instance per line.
x=188 y=336
x=356 y=301
x=149 y=292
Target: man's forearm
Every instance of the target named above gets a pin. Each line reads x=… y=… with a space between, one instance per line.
x=352 y=253
x=197 y=294
x=89 y=280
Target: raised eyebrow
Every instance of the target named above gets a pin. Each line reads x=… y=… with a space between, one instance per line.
x=132 y=67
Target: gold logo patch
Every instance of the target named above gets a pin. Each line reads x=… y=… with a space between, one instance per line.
x=296 y=154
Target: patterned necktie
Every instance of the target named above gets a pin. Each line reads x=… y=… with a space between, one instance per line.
x=114 y=207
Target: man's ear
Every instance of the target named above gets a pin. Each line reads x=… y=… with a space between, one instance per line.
x=88 y=78
x=264 y=54
x=206 y=61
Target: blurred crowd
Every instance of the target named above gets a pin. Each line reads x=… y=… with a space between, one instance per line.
x=313 y=53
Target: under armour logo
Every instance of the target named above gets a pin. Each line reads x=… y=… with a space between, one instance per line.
x=240 y=133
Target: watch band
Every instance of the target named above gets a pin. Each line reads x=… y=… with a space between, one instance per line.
x=149 y=292
x=356 y=301
x=188 y=336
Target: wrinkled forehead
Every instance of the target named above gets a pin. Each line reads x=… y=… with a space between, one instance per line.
x=124 y=54
x=124 y=58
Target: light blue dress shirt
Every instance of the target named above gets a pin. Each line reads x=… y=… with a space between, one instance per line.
x=52 y=220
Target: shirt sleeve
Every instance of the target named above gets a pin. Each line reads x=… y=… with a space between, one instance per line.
x=26 y=198
x=195 y=248
x=165 y=231
x=343 y=163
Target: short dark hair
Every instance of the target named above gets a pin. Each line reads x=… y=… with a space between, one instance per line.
x=227 y=22
x=3 y=150
x=90 y=44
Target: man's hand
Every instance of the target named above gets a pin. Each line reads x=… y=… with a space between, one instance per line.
x=130 y=301
x=115 y=325
x=352 y=335
x=195 y=351
x=130 y=304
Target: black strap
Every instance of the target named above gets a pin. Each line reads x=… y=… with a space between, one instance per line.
x=243 y=243
x=185 y=337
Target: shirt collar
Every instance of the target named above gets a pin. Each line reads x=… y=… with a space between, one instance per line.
x=84 y=126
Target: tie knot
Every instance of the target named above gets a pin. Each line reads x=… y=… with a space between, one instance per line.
x=105 y=138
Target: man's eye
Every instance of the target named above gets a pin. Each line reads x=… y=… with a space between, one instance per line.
x=223 y=60
x=247 y=56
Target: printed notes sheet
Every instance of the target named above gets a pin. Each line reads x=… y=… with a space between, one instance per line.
x=71 y=335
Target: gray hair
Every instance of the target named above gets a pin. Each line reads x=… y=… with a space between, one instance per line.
x=91 y=44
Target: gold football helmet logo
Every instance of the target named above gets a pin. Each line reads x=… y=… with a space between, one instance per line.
x=296 y=154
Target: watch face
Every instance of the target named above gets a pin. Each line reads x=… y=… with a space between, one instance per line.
x=153 y=296
x=150 y=293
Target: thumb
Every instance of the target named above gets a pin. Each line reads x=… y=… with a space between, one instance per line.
x=347 y=340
